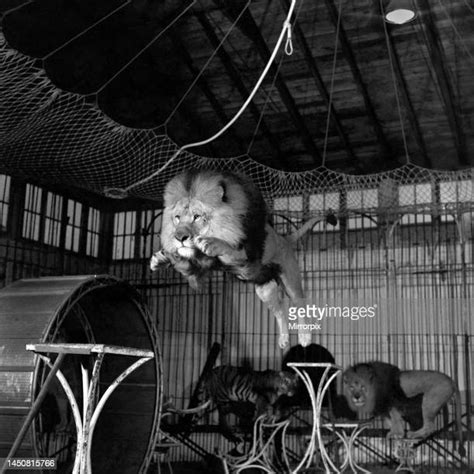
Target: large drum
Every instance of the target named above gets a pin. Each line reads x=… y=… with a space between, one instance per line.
x=83 y=309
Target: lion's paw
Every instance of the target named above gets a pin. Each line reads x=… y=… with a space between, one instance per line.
x=394 y=434
x=283 y=340
x=210 y=247
x=420 y=434
x=195 y=282
x=158 y=259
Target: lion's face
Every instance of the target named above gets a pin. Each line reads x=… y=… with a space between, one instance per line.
x=359 y=389
x=187 y=219
x=355 y=389
x=204 y=204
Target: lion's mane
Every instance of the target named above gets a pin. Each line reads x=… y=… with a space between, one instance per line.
x=206 y=203
x=415 y=396
x=376 y=383
x=215 y=219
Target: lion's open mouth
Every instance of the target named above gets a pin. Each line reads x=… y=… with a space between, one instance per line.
x=358 y=402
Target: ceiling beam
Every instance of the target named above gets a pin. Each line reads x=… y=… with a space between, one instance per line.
x=350 y=58
x=237 y=80
x=415 y=130
x=438 y=63
x=202 y=83
x=250 y=28
x=313 y=68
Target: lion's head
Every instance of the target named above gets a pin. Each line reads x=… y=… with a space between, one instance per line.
x=359 y=389
x=210 y=204
x=207 y=212
x=203 y=204
x=370 y=387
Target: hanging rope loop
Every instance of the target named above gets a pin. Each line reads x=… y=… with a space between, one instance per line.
x=289 y=41
x=122 y=192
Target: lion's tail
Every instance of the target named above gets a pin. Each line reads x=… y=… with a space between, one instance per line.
x=308 y=225
x=458 y=414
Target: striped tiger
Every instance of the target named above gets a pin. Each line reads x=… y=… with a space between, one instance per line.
x=244 y=392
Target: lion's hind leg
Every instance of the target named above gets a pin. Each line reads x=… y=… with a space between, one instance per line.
x=428 y=428
x=429 y=415
x=433 y=400
x=291 y=280
x=269 y=294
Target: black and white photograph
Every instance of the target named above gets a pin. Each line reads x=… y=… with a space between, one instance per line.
x=237 y=236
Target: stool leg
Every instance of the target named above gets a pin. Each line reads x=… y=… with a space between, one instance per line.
x=75 y=411
x=158 y=464
x=89 y=410
x=94 y=413
x=85 y=428
x=169 y=466
x=36 y=406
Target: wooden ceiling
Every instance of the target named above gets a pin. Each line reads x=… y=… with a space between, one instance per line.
x=393 y=94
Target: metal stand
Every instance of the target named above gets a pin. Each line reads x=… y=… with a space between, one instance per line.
x=261 y=454
x=338 y=428
x=86 y=423
x=161 y=451
x=348 y=440
x=405 y=453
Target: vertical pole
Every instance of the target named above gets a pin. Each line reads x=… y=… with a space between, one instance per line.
x=34 y=409
x=467 y=368
x=89 y=411
x=83 y=445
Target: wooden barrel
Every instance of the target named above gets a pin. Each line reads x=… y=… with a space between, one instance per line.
x=101 y=309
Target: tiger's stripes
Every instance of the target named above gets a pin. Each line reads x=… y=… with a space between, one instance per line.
x=244 y=392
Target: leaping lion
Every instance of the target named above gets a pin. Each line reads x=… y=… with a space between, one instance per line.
x=216 y=219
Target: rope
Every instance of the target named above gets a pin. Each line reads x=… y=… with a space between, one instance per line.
x=264 y=108
x=83 y=32
x=395 y=87
x=289 y=52
x=7 y=12
x=468 y=6
x=164 y=30
x=201 y=72
x=119 y=193
x=456 y=31
x=333 y=74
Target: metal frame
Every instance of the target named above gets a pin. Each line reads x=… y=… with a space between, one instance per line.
x=86 y=423
x=338 y=428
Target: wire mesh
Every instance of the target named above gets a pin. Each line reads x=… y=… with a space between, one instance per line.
x=413 y=261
